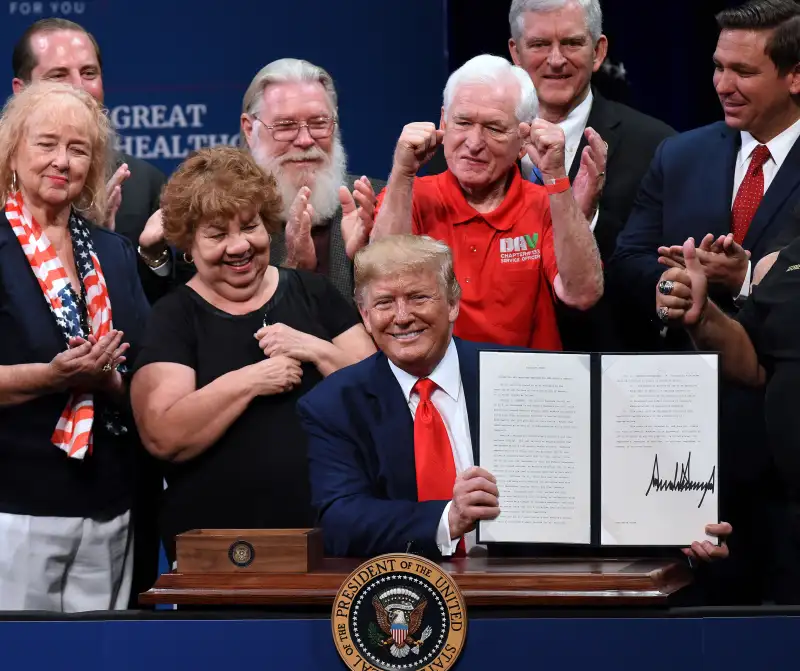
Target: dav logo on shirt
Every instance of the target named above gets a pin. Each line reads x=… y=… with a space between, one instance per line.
x=519 y=249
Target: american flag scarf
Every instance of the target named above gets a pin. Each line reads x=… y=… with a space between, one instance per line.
x=73 y=432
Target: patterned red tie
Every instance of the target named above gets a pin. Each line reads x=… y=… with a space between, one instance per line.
x=433 y=454
x=750 y=193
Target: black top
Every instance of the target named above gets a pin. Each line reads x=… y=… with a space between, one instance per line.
x=256 y=475
x=771 y=318
x=36 y=477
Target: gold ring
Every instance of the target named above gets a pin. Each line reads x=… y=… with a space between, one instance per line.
x=107 y=368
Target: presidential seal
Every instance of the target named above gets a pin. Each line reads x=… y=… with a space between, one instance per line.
x=399 y=612
x=241 y=553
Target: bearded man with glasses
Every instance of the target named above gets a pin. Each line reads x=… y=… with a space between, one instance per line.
x=290 y=124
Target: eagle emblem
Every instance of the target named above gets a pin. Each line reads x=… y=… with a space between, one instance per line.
x=399 y=612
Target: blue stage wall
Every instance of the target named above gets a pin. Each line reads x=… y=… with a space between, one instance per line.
x=176 y=70
x=655 y=644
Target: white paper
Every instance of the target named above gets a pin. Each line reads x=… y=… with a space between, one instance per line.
x=534 y=438
x=659 y=455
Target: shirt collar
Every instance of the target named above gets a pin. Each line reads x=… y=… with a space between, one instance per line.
x=779 y=146
x=501 y=218
x=446 y=375
x=575 y=123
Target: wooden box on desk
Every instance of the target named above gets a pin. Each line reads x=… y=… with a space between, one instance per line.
x=249 y=550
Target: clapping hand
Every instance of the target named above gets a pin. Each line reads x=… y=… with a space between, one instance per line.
x=358 y=215
x=682 y=293
x=724 y=261
x=300 y=251
x=114 y=195
x=591 y=178
x=91 y=363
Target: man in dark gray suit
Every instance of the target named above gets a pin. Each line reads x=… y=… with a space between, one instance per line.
x=59 y=50
x=290 y=124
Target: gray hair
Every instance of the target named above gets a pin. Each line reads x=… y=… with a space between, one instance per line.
x=487 y=69
x=591 y=8
x=405 y=253
x=287 y=70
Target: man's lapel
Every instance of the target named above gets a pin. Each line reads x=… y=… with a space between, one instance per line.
x=784 y=185
x=604 y=120
x=394 y=430
x=468 y=363
x=716 y=188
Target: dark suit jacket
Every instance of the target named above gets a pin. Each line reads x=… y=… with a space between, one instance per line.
x=340 y=267
x=361 y=459
x=141 y=195
x=688 y=192
x=632 y=139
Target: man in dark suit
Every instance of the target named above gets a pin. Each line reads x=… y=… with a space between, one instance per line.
x=561 y=46
x=393 y=439
x=59 y=50
x=732 y=187
x=290 y=124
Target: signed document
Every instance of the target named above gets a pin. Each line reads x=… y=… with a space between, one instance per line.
x=600 y=449
x=535 y=438
x=659 y=448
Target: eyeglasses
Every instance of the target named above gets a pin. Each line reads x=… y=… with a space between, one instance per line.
x=286 y=131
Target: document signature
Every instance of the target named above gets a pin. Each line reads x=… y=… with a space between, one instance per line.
x=681 y=482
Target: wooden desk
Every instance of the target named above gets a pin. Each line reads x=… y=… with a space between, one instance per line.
x=484 y=582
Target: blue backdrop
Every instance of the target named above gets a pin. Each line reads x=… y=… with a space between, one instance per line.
x=175 y=71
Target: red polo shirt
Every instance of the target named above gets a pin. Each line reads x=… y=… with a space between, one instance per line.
x=504 y=260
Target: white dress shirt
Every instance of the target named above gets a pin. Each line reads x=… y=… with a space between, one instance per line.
x=573 y=126
x=452 y=406
x=779 y=148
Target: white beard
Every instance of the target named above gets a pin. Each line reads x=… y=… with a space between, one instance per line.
x=324 y=181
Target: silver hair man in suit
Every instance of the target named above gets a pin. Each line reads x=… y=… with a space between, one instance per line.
x=290 y=123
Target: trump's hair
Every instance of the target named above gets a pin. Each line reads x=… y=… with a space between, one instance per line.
x=61 y=103
x=488 y=69
x=591 y=8
x=405 y=254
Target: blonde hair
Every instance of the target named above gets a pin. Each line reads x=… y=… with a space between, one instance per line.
x=60 y=102
x=400 y=254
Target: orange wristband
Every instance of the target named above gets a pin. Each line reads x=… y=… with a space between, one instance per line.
x=559 y=185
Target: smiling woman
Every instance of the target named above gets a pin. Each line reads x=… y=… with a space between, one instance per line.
x=227 y=356
x=63 y=414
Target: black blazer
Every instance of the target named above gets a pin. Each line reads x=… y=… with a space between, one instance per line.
x=141 y=196
x=632 y=139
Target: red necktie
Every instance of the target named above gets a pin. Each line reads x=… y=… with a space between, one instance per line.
x=433 y=454
x=750 y=193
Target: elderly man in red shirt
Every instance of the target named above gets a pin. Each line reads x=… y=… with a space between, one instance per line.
x=517 y=246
